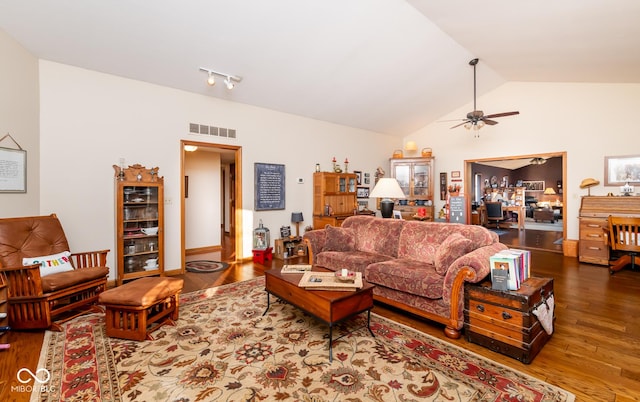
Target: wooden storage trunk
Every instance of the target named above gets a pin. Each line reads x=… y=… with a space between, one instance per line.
x=503 y=321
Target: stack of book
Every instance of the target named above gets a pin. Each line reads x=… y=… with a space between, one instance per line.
x=509 y=268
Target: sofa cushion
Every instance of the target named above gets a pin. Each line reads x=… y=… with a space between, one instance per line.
x=339 y=239
x=453 y=247
x=375 y=235
x=409 y=276
x=352 y=260
x=63 y=280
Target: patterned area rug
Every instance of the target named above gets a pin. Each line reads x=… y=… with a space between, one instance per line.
x=205 y=266
x=224 y=349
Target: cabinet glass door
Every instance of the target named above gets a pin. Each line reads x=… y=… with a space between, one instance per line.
x=352 y=185
x=403 y=176
x=343 y=185
x=421 y=180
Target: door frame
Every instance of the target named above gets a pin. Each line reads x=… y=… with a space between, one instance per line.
x=238 y=197
x=468 y=177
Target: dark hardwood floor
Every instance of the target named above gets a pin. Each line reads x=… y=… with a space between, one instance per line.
x=594 y=352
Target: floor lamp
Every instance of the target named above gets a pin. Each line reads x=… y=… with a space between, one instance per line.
x=387 y=188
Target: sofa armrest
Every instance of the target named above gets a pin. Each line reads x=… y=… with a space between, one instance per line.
x=315 y=240
x=472 y=267
x=89 y=259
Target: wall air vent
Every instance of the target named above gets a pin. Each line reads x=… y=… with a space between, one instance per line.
x=211 y=130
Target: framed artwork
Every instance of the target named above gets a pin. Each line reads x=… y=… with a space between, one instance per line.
x=358 y=176
x=455 y=174
x=619 y=170
x=362 y=192
x=269 y=183
x=13 y=170
x=443 y=186
x=397 y=215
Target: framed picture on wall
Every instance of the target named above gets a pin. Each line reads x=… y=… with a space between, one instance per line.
x=443 y=186
x=619 y=170
x=362 y=192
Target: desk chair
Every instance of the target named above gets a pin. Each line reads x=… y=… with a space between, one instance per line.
x=494 y=212
x=623 y=235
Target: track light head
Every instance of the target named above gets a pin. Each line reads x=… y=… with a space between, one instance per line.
x=229 y=83
x=230 y=80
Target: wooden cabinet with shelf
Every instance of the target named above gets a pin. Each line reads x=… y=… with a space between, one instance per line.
x=139 y=223
x=334 y=198
x=415 y=176
x=289 y=247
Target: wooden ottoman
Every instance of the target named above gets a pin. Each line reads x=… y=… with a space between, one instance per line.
x=134 y=306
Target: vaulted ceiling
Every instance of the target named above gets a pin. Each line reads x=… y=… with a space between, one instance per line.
x=391 y=66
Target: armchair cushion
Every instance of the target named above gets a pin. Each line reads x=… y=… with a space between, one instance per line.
x=63 y=280
x=51 y=264
x=339 y=239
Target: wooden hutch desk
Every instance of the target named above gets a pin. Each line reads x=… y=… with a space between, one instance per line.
x=593 y=217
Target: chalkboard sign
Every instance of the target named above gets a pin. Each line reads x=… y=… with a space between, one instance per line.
x=457 y=210
x=269 y=186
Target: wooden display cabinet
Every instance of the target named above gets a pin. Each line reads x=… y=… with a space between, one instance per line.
x=139 y=222
x=415 y=176
x=334 y=198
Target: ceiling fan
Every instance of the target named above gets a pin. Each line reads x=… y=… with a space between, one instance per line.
x=477 y=119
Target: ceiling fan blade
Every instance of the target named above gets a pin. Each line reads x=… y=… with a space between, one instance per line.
x=490 y=122
x=458 y=125
x=501 y=114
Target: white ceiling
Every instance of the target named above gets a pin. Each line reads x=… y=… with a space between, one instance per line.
x=391 y=66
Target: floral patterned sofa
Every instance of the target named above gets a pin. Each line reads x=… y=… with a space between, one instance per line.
x=419 y=267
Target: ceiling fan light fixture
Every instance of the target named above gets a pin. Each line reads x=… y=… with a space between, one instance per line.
x=538 y=161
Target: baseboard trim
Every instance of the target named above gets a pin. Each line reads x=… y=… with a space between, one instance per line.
x=202 y=250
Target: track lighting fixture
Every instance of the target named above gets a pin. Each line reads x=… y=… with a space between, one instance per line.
x=229 y=80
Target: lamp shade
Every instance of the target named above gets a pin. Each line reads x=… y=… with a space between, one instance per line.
x=549 y=191
x=411 y=146
x=296 y=217
x=387 y=187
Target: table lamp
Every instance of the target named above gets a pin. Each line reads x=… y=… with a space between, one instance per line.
x=387 y=188
x=588 y=183
x=296 y=217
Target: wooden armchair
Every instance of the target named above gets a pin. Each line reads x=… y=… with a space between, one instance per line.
x=623 y=235
x=36 y=301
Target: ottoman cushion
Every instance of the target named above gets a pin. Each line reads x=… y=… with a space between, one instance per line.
x=142 y=292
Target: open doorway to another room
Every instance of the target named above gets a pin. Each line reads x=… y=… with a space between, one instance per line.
x=534 y=182
x=211 y=190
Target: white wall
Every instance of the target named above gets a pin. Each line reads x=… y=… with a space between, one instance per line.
x=588 y=121
x=19 y=116
x=202 y=207
x=89 y=120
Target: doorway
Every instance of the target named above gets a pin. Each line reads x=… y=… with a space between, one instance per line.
x=212 y=186
x=535 y=235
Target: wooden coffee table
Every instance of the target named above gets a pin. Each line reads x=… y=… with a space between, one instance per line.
x=329 y=306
